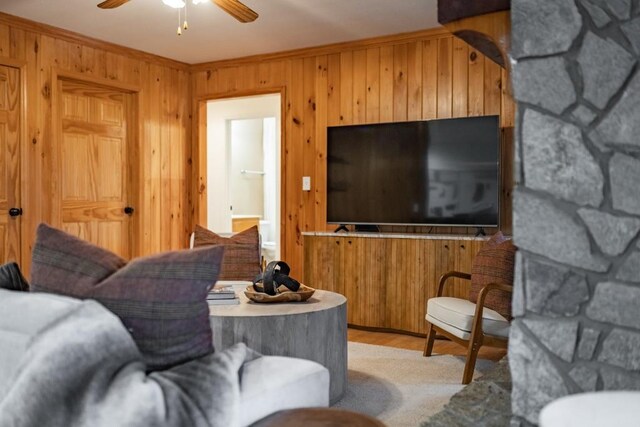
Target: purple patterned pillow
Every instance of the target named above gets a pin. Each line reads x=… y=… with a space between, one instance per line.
x=161 y=299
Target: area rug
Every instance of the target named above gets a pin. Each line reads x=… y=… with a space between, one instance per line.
x=400 y=387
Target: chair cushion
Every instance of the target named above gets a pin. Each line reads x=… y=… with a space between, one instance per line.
x=457 y=313
x=494 y=263
x=161 y=299
x=242 y=252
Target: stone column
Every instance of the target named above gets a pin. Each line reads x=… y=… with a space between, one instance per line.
x=577 y=206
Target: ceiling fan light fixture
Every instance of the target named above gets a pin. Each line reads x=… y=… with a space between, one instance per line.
x=176 y=4
x=235 y=8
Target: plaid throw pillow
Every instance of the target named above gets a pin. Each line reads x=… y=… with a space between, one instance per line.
x=242 y=252
x=161 y=299
x=494 y=263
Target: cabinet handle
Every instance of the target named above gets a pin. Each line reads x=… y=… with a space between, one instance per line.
x=13 y=212
x=128 y=210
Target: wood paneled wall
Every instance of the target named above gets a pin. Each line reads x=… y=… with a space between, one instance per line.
x=424 y=75
x=163 y=114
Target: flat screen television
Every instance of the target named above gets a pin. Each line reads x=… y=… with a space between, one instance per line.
x=437 y=172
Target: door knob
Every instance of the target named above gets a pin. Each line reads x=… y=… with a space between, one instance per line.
x=15 y=212
x=128 y=210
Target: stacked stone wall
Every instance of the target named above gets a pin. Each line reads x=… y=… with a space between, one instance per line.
x=577 y=206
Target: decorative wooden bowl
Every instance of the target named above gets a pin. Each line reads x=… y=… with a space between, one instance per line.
x=285 y=295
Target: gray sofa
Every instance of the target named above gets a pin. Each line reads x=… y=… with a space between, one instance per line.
x=99 y=359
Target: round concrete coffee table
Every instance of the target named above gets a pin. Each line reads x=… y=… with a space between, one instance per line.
x=315 y=330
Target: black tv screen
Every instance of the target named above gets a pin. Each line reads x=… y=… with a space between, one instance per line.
x=436 y=172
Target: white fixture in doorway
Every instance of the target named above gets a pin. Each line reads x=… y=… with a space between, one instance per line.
x=243 y=166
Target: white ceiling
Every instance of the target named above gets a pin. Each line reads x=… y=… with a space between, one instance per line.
x=150 y=26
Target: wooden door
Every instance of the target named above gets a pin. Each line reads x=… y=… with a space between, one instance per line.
x=95 y=165
x=9 y=164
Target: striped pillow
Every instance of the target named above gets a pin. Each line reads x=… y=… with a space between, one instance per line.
x=494 y=263
x=161 y=299
x=242 y=252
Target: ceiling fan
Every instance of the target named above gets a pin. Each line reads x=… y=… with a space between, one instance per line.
x=233 y=7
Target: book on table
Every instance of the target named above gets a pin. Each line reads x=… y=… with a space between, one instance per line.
x=221 y=292
x=228 y=301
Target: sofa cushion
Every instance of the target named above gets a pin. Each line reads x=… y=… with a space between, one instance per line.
x=161 y=299
x=263 y=381
x=242 y=252
x=275 y=383
x=78 y=366
x=494 y=263
x=458 y=313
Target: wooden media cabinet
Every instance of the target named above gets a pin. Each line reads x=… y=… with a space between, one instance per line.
x=387 y=278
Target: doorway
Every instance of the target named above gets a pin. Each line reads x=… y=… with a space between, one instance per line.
x=243 y=167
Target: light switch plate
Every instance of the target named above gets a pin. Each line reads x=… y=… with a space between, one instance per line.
x=306 y=183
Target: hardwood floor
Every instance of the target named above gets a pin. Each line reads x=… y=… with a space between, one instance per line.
x=416 y=343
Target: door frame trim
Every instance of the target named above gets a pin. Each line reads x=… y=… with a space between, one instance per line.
x=134 y=137
x=58 y=73
x=21 y=66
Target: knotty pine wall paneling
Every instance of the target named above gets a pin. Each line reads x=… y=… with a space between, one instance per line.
x=420 y=75
x=163 y=141
x=424 y=75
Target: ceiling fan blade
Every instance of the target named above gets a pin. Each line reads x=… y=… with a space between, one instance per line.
x=236 y=9
x=111 y=4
